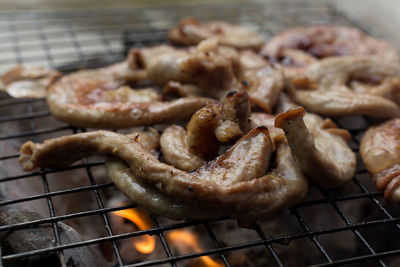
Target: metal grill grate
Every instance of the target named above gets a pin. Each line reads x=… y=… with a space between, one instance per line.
x=95 y=37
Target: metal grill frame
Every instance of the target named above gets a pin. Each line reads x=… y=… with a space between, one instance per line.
x=145 y=32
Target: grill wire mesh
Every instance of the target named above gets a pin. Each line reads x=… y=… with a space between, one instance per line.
x=71 y=40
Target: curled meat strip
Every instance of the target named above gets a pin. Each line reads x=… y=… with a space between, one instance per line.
x=176 y=150
x=209 y=66
x=293 y=61
x=356 y=85
x=263 y=86
x=28 y=81
x=218 y=123
x=259 y=119
x=207 y=130
x=212 y=70
x=99 y=99
x=191 y=32
x=234 y=184
x=319 y=147
x=380 y=152
x=328 y=41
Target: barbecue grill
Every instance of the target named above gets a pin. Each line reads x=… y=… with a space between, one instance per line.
x=70 y=40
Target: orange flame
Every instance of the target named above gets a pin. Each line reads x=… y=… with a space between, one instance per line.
x=187 y=241
x=142 y=220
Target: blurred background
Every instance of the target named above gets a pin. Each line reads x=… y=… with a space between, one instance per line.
x=383 y=14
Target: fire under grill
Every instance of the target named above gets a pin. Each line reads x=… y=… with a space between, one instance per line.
x=83 y=220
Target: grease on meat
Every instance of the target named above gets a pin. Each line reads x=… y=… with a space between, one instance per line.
x=211 y=70
x=319 y=147
x=191 y=32
x=226 y=185
x=218 y=123
x=328 y=41
x=354 y=85
x=100 y=98
x=28 y=81
x=380 y=152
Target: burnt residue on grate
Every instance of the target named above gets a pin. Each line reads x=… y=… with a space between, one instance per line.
x=75 y=210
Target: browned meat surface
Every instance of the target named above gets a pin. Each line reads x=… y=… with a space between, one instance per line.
x=234 y=184
x=354 y=85
x=319 y=147
x=211 y=70
x=176 y=151
x=259 y=119
x=28 y=81
x=149 y=139
x=191 y=32
x=260 y=79
x=284 y=104
x=263 y=86
x=250 y=60
x=100 y=99
x=380 y=152
x=327 y=41
x=293 y=61
x=209 y=66
x=218 y=123
x=151 y=198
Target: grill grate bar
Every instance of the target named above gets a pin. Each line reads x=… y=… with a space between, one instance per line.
x=63 y=217
x=35 y=133
x=32 y=174
x=361 y=258
x=54 y=224
x=347 y=221
x=215 y=244
x=31 y=115
x=55 y=193
x=9 y=102
x=313 y=238
x=155 y=231
x=268 y=246
x=338 y=199
x=105 y=40
x=48 y=200
x=375 y=201
x=103 y=214
x=44 y=43
x=372 y=196
x=14 y=38
x=76 y=43
x=59 y=44
x=163 y=241
x=9 y=157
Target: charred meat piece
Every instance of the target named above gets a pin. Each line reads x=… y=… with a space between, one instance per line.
x=218 y=123
x=319 y=147
x=354 y=85
x=211 y=70
x=191 y=32
x=263 y=86
x=380 y=152
x=235 y=183
x=176 y=151
x=259 y=119
x=328 y=41
x=100 y=98
x=293 y=61
x=209 y=66
x=28 y=81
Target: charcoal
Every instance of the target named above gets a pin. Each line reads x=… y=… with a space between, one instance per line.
x=40 y=237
